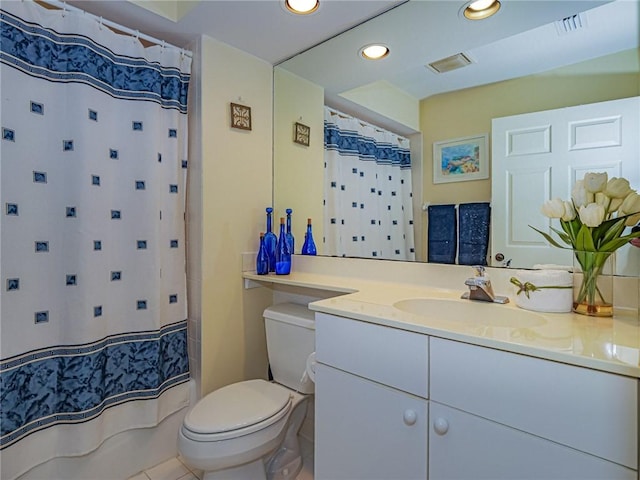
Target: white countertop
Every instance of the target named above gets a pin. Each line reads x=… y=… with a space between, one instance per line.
x=607 y=344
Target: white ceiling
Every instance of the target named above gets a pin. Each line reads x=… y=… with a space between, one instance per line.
x=263 y=28
x=521 y=39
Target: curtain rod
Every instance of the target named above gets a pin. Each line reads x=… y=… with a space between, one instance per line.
x=335 y=111
x=129 y=31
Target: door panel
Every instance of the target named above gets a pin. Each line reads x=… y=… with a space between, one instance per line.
x=538 y=156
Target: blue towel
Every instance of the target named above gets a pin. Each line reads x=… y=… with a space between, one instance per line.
x=474 y=219
x=442 y=234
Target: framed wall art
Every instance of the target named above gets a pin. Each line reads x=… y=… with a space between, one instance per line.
x=461 y=159
x=240 y=116
x=301 y=134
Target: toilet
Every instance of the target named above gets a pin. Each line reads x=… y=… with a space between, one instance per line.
x=249 y=430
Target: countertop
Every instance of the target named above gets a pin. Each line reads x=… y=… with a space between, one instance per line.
x=606 y=344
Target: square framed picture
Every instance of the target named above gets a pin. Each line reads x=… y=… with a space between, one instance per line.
x=461 y=159
x=301 y=134
x=240 y=116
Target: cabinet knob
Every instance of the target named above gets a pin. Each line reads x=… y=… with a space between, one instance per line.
x=441 y=426
x=410 y=417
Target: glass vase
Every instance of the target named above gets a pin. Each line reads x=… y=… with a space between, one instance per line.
x=283 y=254
x=593 y=283
x=292 y=242
x=262 y=260
x=270 y=241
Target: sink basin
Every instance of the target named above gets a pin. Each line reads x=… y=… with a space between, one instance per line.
x=467 y=311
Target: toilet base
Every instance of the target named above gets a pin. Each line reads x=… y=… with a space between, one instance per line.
x=289 y=471
x=254 y=471
x=286 y=462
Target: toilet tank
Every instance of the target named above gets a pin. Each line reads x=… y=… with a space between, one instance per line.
x=290 y=330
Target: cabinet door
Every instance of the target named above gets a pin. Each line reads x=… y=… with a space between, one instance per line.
x=365 y=430
x=464 y=446
x=591 y=411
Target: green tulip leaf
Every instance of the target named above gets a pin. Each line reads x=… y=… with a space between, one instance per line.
x=563 y=236
x=549 y=238
x=614 y=231
x=584 y=240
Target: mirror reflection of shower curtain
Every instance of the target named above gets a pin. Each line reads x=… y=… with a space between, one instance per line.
x=94 y=163
x=367 y=191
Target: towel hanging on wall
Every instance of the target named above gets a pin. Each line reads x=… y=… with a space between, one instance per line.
x=442 y=234
x=474 y=219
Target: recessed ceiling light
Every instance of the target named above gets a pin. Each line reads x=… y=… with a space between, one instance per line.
x=374 y=52
x=480 y=9
x=302 y=7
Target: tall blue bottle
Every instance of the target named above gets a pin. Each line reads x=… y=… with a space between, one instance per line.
x=262 y=260
x=292 y=241
x=283 y=254
x=270 y=241
x=309 y=247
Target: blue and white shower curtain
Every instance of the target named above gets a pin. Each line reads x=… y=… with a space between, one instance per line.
x=93 y=169
x=367 y=191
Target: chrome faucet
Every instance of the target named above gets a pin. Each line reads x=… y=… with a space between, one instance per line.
x=480 y=288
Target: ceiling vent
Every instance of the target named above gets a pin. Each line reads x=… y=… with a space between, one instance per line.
x=453 y=62
x=570 y=24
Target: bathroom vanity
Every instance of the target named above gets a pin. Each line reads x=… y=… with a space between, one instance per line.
x=414 y=383
x=411 y=406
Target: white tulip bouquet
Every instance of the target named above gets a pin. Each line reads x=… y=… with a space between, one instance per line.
x=593 y=225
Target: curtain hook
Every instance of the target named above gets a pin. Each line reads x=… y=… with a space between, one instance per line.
x=100 y=23
x=64 y=8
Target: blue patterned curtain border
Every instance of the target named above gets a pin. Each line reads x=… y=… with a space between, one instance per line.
x=73 y=384
x=350 y=142
x=44 y=53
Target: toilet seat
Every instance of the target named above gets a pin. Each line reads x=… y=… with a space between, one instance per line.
x=235 y=410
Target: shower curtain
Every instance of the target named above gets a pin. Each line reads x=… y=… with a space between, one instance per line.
x=93 y=293
x=367 y=191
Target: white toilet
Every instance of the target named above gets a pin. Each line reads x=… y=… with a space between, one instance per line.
x=249 y=430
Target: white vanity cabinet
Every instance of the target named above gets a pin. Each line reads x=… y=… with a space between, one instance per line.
x=516 y=416
x=395 y=404
x=370 y=403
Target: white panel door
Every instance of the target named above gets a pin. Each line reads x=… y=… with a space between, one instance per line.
x=466 y=447
x=365 y=430
x=538 y=156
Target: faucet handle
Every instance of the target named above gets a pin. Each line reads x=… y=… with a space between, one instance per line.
x=479 y=270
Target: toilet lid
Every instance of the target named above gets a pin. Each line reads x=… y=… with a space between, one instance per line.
x=236 y=406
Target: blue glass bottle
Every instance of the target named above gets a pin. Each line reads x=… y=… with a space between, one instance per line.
x=283 y=254
x=290 y=238
x=262 y=260
x=309 y=247
x=270 y=241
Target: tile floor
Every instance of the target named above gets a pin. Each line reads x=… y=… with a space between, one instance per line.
x=174 y=469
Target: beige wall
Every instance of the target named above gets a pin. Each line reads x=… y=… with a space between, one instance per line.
x=235 y=188
x=298 y=169
x=388 y=100
x=469 y=112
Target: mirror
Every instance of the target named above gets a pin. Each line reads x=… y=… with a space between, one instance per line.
x=457 y=104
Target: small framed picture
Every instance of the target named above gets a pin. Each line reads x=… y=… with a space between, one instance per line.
x=301 y=134
x=461 y=159
x=240 y=116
